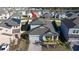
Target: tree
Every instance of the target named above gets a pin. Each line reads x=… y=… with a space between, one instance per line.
x=25 y=27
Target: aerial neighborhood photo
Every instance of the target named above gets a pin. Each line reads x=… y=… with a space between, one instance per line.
x=39 y=29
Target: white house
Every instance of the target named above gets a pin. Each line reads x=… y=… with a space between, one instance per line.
x=23 y=12
x=29 y=15
x=10 y=31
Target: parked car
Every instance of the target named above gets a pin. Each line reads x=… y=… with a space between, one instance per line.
x=75 y=48
x=4 y=47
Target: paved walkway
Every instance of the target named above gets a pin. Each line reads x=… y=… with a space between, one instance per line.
x=34 y=47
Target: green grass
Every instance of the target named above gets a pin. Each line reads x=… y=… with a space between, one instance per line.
x=64 y=45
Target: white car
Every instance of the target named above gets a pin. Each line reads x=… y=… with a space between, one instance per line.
x=4 y=47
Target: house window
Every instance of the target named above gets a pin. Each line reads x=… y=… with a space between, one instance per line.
x=76 y=31
x=73 y=31
x=15 y=26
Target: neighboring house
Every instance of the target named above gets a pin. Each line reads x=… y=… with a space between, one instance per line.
x=62 y=16
x=34 y=14
x=4 y=14
x=10 y=31
x=47 y=15
x=29 y=15
x=45 y=11
x=77 y=14
x=65 y=26
x=23 y=12
x=16 y=14
x=71 y=15
x=70 y=31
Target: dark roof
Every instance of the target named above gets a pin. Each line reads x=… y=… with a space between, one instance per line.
x=16 y=20
x=36 y=22
x=76 y=21
x=38 y=31
x=69 y=23
x=77 y=26
x=39 y=21
x=44 y=31
x=69 y=14
x=17 y=14
x=76 y=11
x=9 y=23
x=72 y=23
x=48 y=27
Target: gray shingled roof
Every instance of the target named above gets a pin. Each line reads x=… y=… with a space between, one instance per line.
x=76 y=21
x=8 y=23
x=37 y=22
x=38 y=31
x=46 y=23
x=69 y=23
x=50 y=26
x=2 y=11
x=77 y=26
x=17 y=14
x=44 y=31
